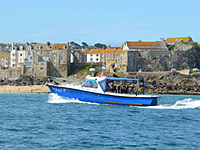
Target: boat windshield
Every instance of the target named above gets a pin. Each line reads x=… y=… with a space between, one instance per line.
x=90 y=84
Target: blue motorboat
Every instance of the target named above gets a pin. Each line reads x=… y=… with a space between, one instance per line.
x=99 y=90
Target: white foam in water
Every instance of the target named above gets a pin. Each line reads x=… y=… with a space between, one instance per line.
x=183 y=104
x=55 y=99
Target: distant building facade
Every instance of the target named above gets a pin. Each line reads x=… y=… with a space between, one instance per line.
x=103 y=55
x=5 y=48
x=40 y=59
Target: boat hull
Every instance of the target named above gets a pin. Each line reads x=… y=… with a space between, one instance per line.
x=93 y=97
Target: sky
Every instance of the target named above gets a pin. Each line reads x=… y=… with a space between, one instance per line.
x=92 y=21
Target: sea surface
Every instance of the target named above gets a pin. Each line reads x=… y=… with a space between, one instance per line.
x=49 y=122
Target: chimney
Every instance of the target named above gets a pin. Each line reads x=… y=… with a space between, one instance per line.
x=162 y=39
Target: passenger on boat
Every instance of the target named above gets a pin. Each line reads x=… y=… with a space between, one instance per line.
x=129 y=90
x=114 y=89
x=119 y=89
x=124 y=90
x=132 y=90
x=109 y=90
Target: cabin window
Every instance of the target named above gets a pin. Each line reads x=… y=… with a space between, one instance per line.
x=90 y=84
x=103 y=85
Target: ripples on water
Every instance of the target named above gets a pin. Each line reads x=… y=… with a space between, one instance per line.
x=42 y=121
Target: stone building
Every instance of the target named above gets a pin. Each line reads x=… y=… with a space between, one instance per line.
x=134 y=54
x=40 y=67
x=4 y=60
x=172 y=41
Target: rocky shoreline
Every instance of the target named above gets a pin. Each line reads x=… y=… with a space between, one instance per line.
x=170 y=83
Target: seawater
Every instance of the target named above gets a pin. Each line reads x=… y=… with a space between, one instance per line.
x=47 y=121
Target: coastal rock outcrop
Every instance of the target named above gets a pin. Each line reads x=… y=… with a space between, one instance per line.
x=172 y=83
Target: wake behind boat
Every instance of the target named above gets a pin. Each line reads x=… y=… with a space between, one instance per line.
x=102 y=90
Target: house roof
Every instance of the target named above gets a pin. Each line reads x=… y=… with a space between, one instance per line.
x=58 y=46
x=4 y=55
x=55 y=46
x=143 y=45
x=118 y=51
x=96 y=51
x=109 y=50
x=173 y=40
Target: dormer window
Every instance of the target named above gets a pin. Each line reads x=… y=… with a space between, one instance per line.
x=21 y=47
x=30 y=47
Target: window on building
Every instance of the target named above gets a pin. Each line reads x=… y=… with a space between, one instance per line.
x=97 y=59
x=13 y=54
x=54 y=63
x=13 y=65
x=97 y=55
x=20 y=59
x=42 y=63
x=37 y=64
x=29 y=53
x=91 y=59
x=13 y=59
x=41 y=69
x=31 y=57
x=91 y=55
x=41 y=52
x=20 y=54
